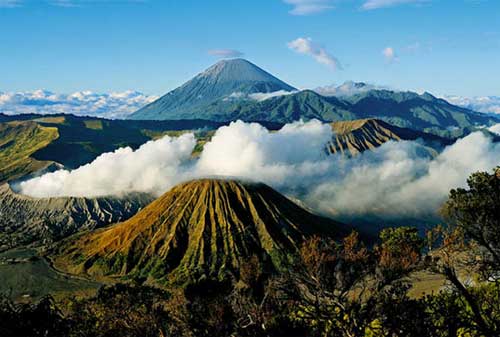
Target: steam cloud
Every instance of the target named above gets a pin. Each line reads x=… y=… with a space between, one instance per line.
x=398 y=178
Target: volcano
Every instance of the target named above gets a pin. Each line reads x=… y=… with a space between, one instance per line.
x=223 y=79
x=200 y=229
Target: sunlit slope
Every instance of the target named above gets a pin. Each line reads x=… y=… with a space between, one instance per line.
x=18 y=142
x=203 y=228
x=354 y=137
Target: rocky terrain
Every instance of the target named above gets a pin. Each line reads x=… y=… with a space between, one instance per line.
x=26 y=220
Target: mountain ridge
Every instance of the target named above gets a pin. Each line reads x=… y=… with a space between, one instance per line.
x=229 y=97
x=25 y=219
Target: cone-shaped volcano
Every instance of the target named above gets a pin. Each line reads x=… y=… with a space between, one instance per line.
x=202 y=228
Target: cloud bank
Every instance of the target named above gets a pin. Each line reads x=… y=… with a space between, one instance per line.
x=486 y=104
x=348 y=88
x=306 y=46
x=397 y=179
x=83 y=103
x=151 y=168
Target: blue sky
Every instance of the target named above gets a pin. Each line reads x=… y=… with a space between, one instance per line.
x=442 y=46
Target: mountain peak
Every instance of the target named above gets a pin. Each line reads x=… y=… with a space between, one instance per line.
x=240 y=70
x=219 y=81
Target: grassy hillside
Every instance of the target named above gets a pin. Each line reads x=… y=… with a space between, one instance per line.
x=204 y=228
x=18 y=142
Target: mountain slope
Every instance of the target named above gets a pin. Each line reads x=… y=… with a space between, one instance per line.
x=354 y=137
x=411 y=110
x=202 y=228
x=18 y=142
x=226 y=77
x=24 y=219
x=284 y=109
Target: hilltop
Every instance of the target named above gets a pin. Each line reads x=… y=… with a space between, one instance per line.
x=354 y=137
x=203 y=228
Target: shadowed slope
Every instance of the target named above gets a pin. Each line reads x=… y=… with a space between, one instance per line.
x=25 y=219
x=203 y=228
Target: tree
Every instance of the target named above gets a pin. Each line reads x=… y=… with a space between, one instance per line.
x=471 y=242
x=337 y=287
x=476 y=211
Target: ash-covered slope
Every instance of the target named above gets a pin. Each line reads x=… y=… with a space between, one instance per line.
x=221 y=80
x=354 y=137
x=25 y=219
x=202 y=228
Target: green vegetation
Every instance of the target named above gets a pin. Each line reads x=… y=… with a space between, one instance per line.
x=94 y=124
x=18 y=142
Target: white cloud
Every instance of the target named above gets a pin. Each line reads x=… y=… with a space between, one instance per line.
x=258 y=96
x=348 y=88
x=225 y=53
x=240 y=149
x=395 y=180
x=486 y=104
x=262 y=96
x=390 y=54
x=307 y=47
x=109 y=105
x=280 y=158
x=151 y=168
x=376 y=4
x=307 y=7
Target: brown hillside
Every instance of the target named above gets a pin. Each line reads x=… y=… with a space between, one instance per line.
x=202 y=228
x=354 y=137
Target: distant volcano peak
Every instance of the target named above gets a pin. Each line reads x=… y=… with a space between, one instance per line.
x=215 y=83
x=240 y=70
